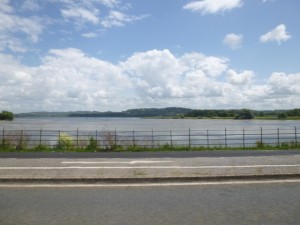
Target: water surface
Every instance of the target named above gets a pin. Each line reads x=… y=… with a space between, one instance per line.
x=139 y=124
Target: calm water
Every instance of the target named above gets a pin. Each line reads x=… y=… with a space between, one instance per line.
x=138 y=124
x=171 y=131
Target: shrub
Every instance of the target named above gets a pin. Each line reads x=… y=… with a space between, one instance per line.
x=245 y=114
x=17 y=140
x=109 y=140
x=260 y=144
x=65 y=142
x=93 y=145
x=5 y=145
x=41 y=148
x=282 y=116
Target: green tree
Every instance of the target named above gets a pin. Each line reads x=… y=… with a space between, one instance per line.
x=293 y=112
x=245 y=114
x=282 y=116
x=6 y=115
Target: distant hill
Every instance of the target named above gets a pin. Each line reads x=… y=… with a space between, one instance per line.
x=152 y=112
x=176 y=112
x=142 y=112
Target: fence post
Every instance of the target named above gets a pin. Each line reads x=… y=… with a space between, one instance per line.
x=261 y=135
x=77 y=145
x=41 y=130
x=296 y=142
x=133 y=139
x=115 y=136
x=19 y=145
x=225 y=137
x=3 y=136
x=59 y=143
x=96 y=139
x=189 y=137
x=278 y=138
x=243 y=138
x=21 y=138
x=207 y=138
x=152 y=138
x=171 y=139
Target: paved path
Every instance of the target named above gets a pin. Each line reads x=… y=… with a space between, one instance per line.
x=139 y=168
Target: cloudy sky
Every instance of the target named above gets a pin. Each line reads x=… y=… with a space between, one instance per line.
x=68 y=55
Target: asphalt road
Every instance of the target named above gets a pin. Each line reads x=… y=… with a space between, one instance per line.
x=166 y=154
x=226 y=204
x=99 y=168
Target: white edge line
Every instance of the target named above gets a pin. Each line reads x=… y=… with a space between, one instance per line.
x=145 y=167
x=148 y=184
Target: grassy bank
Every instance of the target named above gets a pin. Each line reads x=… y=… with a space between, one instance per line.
x=166 y=147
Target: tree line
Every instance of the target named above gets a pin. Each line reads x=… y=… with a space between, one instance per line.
x=243 y=113
x=231 y=113
x=6 y=115
x=176 y=112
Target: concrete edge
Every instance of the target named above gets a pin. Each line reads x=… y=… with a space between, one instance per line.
x=146 y=180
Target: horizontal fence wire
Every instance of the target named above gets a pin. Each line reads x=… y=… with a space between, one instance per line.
x=111 y=139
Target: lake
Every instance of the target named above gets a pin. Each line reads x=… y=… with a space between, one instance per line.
x=191 y=132
x=139 y=124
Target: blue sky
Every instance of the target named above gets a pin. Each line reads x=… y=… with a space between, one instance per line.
x=65 y=55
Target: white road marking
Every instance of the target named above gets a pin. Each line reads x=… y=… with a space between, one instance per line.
x=246 y=182
x=115 y=162
x=144 y=167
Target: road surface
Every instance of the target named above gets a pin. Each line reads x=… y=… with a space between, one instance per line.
x=162 y=165
x=219 y=203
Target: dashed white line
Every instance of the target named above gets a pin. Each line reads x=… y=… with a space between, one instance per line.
x=115 y=162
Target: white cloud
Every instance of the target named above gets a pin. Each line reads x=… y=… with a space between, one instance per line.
x=154 y=73
x=264 y=1
x=11 y=25
x=210 y=65
x=5 y=7
x=284 y=84
x=278 y=35
x=82 y=12
x=240 y=78
x=118 y=19
x=89 y=35
x=19 y=30
x=68 y=79
x=159 y=74
x=213 y=6
x=31 y=5
x=233 y=41
x=88 y=4
x=81 y=15
x=109 y=3
x=12 y=43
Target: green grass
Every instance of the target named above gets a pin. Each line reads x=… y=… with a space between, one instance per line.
x=166 y=148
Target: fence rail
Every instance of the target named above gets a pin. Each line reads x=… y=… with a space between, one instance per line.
x=104 y=139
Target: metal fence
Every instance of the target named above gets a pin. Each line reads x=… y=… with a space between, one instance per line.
x=104 y=139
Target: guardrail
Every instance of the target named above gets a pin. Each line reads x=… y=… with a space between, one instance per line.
x=104 y=139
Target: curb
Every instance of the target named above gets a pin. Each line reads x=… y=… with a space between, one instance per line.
x=146 y=180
